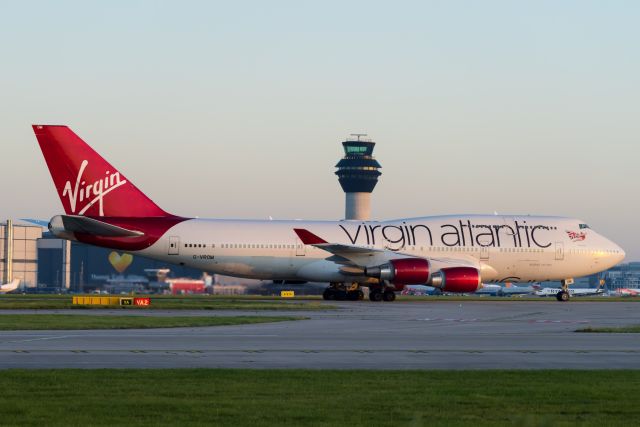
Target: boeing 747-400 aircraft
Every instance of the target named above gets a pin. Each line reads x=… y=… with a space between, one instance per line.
x=455 y=253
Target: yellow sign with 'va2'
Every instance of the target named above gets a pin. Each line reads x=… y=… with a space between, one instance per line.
x=287 y=294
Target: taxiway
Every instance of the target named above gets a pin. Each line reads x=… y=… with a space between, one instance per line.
x=360 y=335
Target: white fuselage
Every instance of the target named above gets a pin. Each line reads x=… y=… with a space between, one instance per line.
x=504 y=248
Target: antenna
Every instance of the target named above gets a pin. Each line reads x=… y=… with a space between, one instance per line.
x=358 y=135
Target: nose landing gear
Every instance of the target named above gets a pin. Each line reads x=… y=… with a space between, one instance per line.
x=353 y=292
x=564 y=295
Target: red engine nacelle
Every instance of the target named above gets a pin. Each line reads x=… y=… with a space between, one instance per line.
x=457 y=279
x=400 y=272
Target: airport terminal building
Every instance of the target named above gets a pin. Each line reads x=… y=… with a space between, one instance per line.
x=18 y=252
x=622 y=276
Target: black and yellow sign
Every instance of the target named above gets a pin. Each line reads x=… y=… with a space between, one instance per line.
x=126 y=301
x=287 y=294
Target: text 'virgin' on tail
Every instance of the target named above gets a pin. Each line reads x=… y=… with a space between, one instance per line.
x=86 y=183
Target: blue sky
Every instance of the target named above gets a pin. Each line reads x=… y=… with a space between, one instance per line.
x=237 y=109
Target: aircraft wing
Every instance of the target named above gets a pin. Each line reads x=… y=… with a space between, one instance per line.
x=363 y=256
x=62 y=224
x=353 y=255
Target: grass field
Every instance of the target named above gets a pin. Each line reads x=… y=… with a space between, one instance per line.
x=253 y=302
x=15 y=302
x=22 y=322
x=632 y=329
x=319 y=398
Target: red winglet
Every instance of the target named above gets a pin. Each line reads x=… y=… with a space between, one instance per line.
x=307 y=237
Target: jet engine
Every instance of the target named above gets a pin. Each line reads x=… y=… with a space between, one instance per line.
x=457 y=279
x=404 y=271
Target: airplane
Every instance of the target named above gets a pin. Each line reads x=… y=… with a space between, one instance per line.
x=420 y=290
x=9 y=287
x=453 y=253
x=574 y=292
x=627 y=292
x=507 y=290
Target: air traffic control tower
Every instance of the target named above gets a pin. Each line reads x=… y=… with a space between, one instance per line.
x=358 y=175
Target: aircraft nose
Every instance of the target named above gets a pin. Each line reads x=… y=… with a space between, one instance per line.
x=618 y=253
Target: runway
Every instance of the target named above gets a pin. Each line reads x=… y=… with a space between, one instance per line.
x=360 y=335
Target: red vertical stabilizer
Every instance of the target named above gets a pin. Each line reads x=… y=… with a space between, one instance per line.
x=86 y=183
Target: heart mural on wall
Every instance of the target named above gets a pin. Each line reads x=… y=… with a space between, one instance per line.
x=120 y=262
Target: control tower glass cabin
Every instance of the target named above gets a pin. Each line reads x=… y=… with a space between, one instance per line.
x=358 y=175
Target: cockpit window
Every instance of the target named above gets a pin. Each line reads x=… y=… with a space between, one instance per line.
x=583 y=226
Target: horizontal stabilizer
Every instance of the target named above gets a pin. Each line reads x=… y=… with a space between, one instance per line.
x=66 y=224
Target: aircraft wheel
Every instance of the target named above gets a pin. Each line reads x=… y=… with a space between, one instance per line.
x=562 y=296
x=340 y=295
x=389 y=296
x=375 y=296
x=328 y=294
x=353 y=295
x=360 y=295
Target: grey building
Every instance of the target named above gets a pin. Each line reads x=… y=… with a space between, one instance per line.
x=18 y=253
x=54 y=262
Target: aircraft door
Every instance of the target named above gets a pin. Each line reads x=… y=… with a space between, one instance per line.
x=484 y=252
x=300 y=248
x=174 y=245
x=559 y=251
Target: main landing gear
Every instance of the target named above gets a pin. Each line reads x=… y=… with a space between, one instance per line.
x=377 y=295
x=353 y=292
x=564 y=295
x=341 y=292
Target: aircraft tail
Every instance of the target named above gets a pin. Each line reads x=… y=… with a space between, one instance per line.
x=86 y=183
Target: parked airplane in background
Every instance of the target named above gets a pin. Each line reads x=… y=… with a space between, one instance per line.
x=9 y=287
x=420 y=290
x=574 y=292
x=454 y=253
x=627 y=292
x=507 y=290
